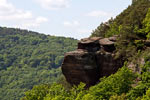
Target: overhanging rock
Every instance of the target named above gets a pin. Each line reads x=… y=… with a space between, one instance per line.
x=93 y=59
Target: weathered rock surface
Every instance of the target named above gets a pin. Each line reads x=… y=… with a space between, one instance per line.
x=80 y=66
x=90 y=44
x=93 y=59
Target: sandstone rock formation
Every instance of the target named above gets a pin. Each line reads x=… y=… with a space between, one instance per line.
x=93 y=59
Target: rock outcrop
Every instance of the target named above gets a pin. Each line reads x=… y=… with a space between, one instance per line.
x=93 y=59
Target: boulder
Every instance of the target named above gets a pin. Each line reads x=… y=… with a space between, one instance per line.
x=114 y=38
x=107 y=63
x=147 y=43
x=89 y=44
x=80 y=66
x=107 y=45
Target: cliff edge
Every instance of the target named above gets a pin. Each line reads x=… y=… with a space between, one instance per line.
x=93 y=59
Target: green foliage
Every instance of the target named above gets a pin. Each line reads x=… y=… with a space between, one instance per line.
x=114 y=30
x=147 y=96
x=137 y=91
x=116 y=97
x=116 y=84
x=145 y=76
x=139 y=44
x=125 y=46
x=37 y=93
x=141 y=88
x=55 y=92
x=29 y=58
x=133 y=16
x=113 y=85
x=146 y=25
x=132 y=25
x=102 y=29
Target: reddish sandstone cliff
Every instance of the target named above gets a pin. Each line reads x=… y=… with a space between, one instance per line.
x=93 y=59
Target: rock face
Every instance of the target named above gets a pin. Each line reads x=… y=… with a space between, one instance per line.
x=93 y=59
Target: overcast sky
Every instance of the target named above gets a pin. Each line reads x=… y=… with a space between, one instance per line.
x=69 y=18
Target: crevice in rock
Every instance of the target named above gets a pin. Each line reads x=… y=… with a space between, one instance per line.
x=93 y=59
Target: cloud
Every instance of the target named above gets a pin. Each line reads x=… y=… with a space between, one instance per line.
x=53 y=4
x=32 y=23
x=99 y=14
x=71 y=24
x=9 y=13
x=84 y=31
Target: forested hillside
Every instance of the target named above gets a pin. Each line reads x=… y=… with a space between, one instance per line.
x=28 y=58
x=132 y=26
x=131 y=17
x=132 y=81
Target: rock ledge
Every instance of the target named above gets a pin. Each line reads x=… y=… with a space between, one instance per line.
x=93 y=59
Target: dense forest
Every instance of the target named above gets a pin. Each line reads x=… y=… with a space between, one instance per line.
x=133 y=28
x=28 y=58
x=132 y=25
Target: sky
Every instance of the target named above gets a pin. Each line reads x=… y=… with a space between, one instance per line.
x=69 y=18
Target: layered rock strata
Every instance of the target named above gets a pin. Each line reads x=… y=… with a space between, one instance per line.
x=93 y=59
